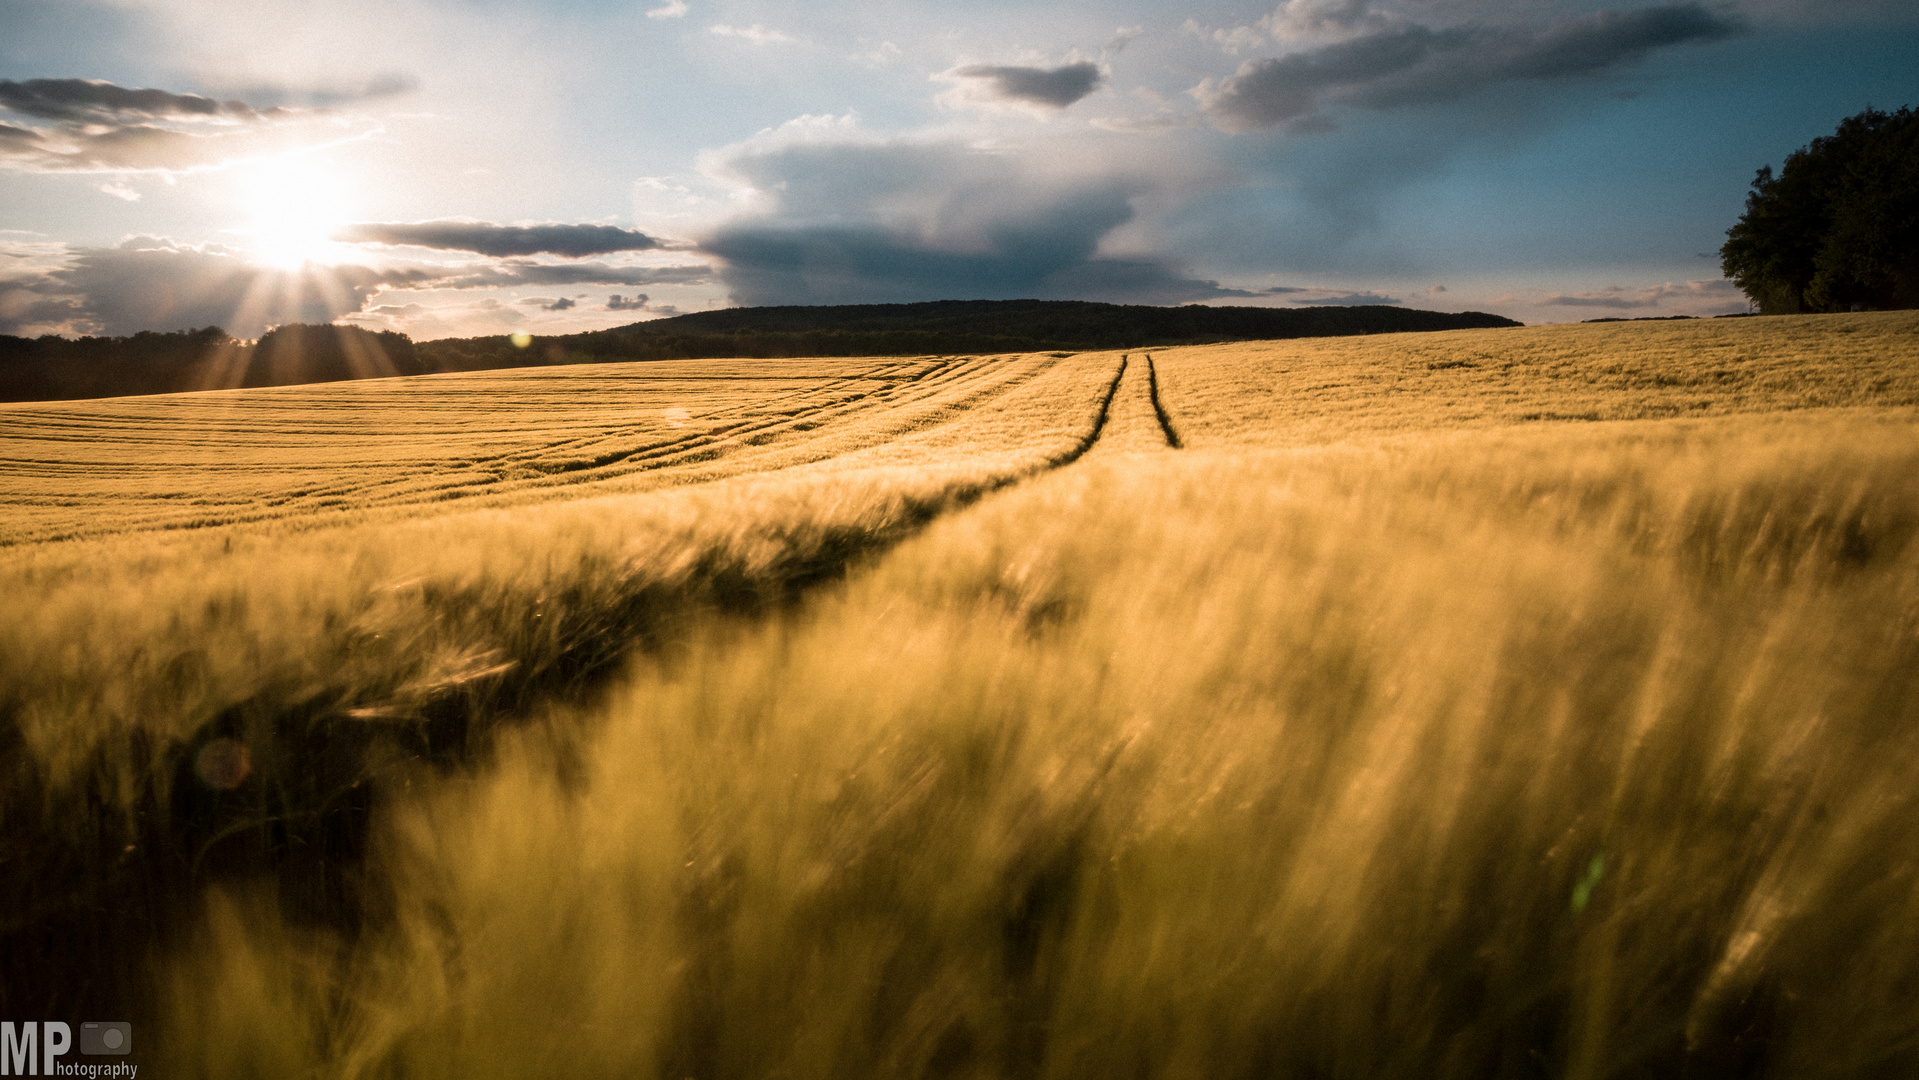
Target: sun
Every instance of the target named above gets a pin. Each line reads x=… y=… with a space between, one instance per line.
x=294 y=206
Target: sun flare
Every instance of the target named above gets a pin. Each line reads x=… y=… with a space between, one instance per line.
x=294 y=206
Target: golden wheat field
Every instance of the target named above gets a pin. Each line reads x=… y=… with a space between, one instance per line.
x=1505 y=703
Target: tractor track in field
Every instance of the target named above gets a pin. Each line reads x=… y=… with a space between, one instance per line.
x=1159 y=406
x=1139 y=421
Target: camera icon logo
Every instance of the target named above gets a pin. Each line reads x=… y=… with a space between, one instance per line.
x=108 y=1040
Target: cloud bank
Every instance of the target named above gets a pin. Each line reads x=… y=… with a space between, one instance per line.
x=849 y=218
x=772 y=265
x=485 y=238
x=92 y=126
x=152 y=283
x=90 y=101
x=1409 y=64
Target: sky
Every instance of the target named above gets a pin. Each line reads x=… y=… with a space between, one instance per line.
x=465 y=167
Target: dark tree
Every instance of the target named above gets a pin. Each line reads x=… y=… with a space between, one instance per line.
x=51 y=367
x=301 y=353
x=1838 y=228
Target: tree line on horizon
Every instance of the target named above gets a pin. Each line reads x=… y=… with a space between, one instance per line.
x=53 y=368
x=56 y=368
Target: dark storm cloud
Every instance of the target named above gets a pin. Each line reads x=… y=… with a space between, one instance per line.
x=485 y=238
x=1412 y=64
x=769 y=264
x=91 y=101
x=1054 y=88
x=1264 y=93
x=869 y=221
x=616 y=302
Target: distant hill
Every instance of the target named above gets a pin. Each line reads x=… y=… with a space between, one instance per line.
x=51 y=368
x=941 y=326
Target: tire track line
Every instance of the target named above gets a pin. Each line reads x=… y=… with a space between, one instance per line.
x=1159 y=406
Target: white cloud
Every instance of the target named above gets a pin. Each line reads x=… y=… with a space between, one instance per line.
x=1145 y=125
x=756 y=33
x=1239 y=37
x=1230 y=41
x=673 y=9
x=880 y=55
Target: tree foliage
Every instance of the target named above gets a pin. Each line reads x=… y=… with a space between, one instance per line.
x=300 y=353
x=52 y=368
x=1838 y=228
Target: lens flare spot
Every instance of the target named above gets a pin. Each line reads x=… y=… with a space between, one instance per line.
x=521 y=339
x=223 y=764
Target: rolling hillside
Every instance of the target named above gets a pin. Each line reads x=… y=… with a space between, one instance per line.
x=947 y=326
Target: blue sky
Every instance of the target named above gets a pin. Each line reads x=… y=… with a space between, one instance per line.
x=481 y=166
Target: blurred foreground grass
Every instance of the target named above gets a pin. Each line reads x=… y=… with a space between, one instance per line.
x=1572 y=752
x=179 y=708
x=1399 y=729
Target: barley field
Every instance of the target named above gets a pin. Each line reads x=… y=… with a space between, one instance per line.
x=1517 y=703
